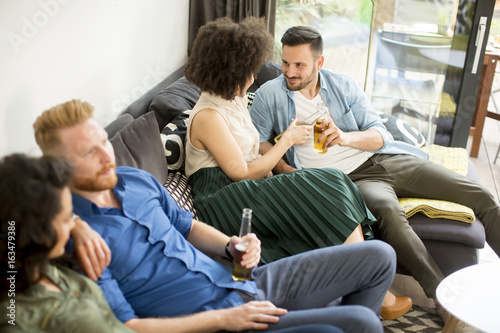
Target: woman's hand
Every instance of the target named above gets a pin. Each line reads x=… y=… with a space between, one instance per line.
x=91 y=251
x=296 y=135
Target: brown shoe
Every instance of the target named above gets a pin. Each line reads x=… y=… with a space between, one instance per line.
x=399 y=308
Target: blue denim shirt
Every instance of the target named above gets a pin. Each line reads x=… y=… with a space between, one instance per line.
x=274 y=108
x=154 y=270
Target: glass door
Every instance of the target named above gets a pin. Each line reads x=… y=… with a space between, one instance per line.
x=420 y=64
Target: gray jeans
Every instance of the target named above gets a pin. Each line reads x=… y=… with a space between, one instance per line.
x=309 y=285
x=384 y=178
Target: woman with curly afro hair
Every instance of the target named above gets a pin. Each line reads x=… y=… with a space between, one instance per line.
x=292 y=212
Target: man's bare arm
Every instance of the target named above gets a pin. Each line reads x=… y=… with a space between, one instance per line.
x=281 y=166
x=250 y=316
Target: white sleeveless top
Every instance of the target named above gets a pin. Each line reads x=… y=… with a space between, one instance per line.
x=236 y=114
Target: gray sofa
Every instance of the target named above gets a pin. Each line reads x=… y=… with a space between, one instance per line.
x=137 y=143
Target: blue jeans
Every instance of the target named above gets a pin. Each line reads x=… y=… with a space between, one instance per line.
x=309 y=285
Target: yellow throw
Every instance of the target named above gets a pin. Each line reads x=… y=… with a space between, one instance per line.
x=455 y=159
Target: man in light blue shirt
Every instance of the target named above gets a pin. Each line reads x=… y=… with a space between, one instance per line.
x=359 y=145
x=160 y=278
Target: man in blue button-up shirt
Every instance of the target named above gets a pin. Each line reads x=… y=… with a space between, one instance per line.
x=359 y=145
x=159 y=278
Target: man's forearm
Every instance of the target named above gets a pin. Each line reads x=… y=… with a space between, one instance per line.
x=207 y=239
x=369 y=140
x=208 y=321
x=254 y=315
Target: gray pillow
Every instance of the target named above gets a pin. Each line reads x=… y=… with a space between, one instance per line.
x=139 y=145
x=177 y=97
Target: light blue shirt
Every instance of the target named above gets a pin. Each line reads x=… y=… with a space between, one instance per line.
x=273 y=109
x=154 y=270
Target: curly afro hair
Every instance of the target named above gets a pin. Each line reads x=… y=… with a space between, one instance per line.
x=226 y=54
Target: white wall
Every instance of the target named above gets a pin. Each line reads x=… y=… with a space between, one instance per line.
x=106 y=52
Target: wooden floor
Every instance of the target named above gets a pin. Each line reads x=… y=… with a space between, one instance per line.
x=489 y=171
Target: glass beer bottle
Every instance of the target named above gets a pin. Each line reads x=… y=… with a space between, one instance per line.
x=241 y=273
x=319 y=128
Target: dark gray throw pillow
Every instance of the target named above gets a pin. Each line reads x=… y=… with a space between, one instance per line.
x=171 y=101
x=139 y=145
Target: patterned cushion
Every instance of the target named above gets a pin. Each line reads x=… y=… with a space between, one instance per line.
x=402 y=131
x=179 y=188
x=173 y=137
x=250 y=96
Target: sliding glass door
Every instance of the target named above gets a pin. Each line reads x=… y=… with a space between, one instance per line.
x=425 y=63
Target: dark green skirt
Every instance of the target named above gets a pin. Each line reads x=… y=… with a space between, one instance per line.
x=292 y=212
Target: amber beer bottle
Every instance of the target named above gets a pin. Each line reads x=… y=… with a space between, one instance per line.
x=318 y=129
x=241 y=273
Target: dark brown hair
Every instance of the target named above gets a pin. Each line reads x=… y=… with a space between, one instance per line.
x=299 y=35
x=226 y=54
x=30 y=193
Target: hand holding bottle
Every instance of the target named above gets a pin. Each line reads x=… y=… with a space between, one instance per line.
x=246 y=249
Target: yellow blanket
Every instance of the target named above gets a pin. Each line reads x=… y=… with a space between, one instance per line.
x=455 y=159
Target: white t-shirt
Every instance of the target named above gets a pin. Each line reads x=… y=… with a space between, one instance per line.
x=346 y=159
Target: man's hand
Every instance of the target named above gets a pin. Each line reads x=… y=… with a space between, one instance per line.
x=251 y=258
x=91 y=251
x=255 y=315
x=334 y=134
x=369 y=139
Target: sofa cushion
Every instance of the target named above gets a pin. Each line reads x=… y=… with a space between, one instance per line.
x=173 y=137
x=171 y=101
x=402 y=131
x=268 y=71
x=179 y=188
x=116 y=125
x=138 y=145
x=250 y=97
x=471 y=234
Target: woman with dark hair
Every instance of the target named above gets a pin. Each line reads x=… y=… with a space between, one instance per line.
x=36 y=218
x=292 y=212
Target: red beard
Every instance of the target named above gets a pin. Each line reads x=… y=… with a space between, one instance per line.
x=99 y=182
